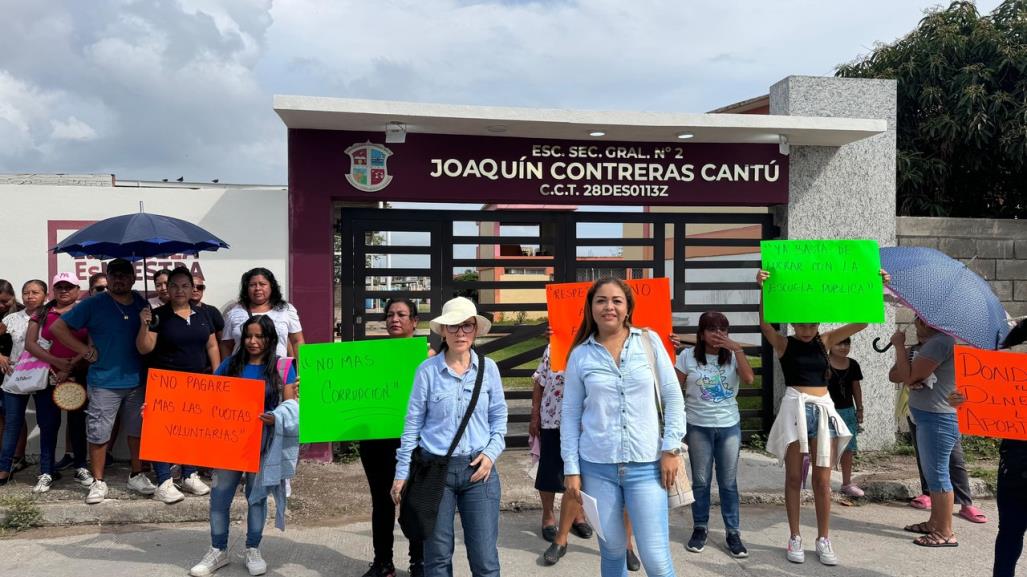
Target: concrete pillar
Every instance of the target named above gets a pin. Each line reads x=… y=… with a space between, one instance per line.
x=846 y=192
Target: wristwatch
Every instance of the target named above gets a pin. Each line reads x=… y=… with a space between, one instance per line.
x=674 y=451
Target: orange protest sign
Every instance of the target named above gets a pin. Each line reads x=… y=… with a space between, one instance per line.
x=204 y=420
x=566 y=302
x=995 y=386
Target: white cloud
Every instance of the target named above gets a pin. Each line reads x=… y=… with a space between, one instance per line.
x=72 y=129
x=160 y=88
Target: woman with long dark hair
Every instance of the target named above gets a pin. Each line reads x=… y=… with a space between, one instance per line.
x=610 y=437
x=255 y=359
x=807 y=423
x=260 y=294
x=712 y=372
x=9 y=305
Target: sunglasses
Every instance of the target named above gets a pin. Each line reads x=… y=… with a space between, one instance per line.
x=99 y=288
x=201 y=287
x=466 y=328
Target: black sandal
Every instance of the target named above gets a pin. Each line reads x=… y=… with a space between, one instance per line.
x=549 y=532
x=923 y=528
x=554 y=553
x=582 y=530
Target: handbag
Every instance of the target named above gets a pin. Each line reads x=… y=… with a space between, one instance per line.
x=30 y=374
x=419 y=504
x=680 y=493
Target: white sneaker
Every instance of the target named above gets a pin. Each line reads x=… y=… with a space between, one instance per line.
x=254 y=562
x=795 y=553
x=211 y=562
x=168 y=493
x=140 y=483
x=43 y=483
x=826 y=552
x=194 y=485
x=83 y=477
x=97 y=493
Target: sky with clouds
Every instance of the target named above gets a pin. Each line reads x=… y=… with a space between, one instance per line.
x=166 y=88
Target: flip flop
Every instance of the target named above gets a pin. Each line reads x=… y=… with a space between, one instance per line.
x=923 y=528
x=936 y=540
x=922 y=502
x=972 y=514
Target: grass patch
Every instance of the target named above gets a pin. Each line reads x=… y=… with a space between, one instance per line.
x=988 y=474
x=19 y=513
x=980 y=449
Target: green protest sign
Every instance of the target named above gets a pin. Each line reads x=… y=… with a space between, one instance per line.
x=356 y=391
x=822 y=281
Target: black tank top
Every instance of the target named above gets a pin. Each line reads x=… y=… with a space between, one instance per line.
x=804 y=364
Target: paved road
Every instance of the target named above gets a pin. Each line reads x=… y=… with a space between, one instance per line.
x=868 y=539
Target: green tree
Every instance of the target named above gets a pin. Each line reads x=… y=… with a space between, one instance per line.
x=962 y=110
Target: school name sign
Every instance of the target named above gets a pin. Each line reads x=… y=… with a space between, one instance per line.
x=527 y=170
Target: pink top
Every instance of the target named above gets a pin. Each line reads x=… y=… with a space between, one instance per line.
x=57 y=349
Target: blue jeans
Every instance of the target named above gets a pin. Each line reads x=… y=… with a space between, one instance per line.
x=48 y=416
x=936 y=437
x=221 y=494
x=706 y=446
x=163 y=471
x=478 y=504
x=635 y=486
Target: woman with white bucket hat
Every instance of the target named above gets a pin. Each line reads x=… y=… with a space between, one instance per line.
x=444 y=388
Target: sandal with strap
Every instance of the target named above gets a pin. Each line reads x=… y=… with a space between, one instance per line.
x=935 y=539
x=922 y=528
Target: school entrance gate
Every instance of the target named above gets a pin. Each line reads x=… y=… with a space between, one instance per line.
x=817 y=156
x=504 y=259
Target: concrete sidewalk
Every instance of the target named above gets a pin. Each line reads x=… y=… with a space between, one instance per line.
x=760 y=480
x=868 y=540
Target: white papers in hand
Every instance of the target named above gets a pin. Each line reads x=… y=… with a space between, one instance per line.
x=591 y=507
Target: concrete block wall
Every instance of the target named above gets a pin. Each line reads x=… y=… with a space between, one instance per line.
x=996 y=249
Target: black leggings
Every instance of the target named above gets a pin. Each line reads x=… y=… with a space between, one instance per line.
x=1012 y=507
x=77 y=430
x=379 y=460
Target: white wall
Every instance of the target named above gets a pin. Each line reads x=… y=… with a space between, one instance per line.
x=253 y=221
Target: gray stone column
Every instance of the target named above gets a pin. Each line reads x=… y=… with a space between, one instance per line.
x=846 y=192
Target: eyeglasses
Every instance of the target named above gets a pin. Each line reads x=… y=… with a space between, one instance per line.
x=466 y=328
x=99 y=288
x=201 y=287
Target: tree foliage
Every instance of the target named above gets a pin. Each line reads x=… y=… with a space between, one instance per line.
x=962 y=110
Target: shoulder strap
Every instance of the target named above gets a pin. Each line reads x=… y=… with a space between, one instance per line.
x=470 y=407
x=651 y=356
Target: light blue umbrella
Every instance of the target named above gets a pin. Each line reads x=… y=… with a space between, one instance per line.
x=946 y=295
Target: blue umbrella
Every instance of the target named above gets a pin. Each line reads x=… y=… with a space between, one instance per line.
x=138 y=236
x=946 y=295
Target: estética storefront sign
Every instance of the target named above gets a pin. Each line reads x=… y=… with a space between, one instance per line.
x=487 y=169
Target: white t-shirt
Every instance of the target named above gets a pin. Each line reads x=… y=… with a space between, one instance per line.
x=17 y=326
x=286 y=319
x=710 y=390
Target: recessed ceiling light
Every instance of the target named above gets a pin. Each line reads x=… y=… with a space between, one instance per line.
x=496 y=128
x=597 y=133
x=685 y=135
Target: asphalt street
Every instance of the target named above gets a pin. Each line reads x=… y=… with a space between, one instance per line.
x=868 y=539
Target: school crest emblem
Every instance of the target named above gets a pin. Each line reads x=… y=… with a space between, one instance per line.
x=367 y=166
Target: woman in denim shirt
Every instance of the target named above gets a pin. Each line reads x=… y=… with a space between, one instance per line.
x=610 y=440
x=442 y=391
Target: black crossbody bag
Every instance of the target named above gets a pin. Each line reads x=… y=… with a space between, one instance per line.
x=419 y=506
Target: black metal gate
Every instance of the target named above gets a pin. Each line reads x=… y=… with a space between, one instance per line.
x=504 y=259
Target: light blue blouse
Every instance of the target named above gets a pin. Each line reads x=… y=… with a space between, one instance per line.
x=609 y=412
x=437 y=404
